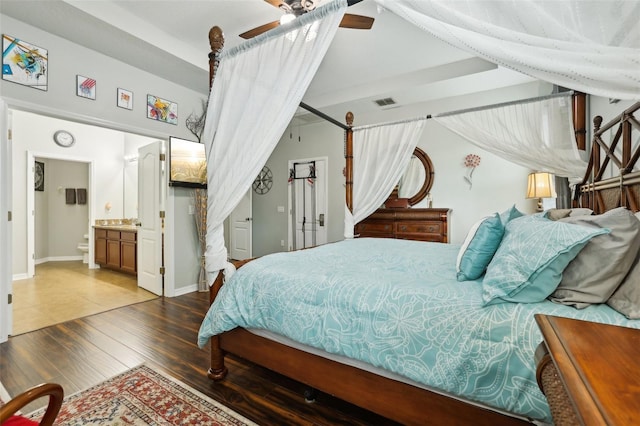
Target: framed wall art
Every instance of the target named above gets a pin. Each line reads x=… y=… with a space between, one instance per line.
x=38 y=176
x=162 y=110
x=125 y=99
x=85 y=87
x=24 y=63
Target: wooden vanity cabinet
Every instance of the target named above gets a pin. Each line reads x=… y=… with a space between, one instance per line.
x=116 y=249
x=128 y=252
x=100 y=253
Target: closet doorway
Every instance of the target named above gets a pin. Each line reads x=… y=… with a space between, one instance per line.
x=307 y=202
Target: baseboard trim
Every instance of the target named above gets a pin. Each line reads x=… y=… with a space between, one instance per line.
x=184 y=290
x=57 y=259
x=17 y=277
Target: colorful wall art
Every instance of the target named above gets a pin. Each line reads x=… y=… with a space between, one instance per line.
x=85 y=87
x=162 y=110
x=24 y=63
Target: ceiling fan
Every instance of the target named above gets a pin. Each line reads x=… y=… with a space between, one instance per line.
x=295 y=8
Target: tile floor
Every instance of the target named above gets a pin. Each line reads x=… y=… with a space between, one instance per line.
x=62 y=291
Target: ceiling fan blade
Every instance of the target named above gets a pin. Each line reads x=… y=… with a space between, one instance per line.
x=357 y=22
x=259 y=30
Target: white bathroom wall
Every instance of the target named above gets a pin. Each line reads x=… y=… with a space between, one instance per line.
x=60 y=227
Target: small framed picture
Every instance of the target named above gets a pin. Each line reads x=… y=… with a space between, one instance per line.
x=85 y=87
x=125 y=98
x=162 y=110
x=38 y=176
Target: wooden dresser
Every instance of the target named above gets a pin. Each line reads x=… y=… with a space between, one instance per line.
x=407 y=224
x=589 y=372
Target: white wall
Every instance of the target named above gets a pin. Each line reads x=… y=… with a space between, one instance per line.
x=66 y=60
x=497 y=183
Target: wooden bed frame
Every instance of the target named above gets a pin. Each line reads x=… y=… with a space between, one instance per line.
x=395 y=400
x=601 y=194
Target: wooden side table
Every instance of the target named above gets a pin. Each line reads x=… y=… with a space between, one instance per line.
x=590 y=368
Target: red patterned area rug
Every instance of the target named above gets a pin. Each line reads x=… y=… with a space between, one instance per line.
x=142 y=396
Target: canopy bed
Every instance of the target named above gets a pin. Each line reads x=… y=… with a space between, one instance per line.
x=473 y=361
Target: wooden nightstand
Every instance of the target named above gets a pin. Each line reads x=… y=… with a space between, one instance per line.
x=589 y=371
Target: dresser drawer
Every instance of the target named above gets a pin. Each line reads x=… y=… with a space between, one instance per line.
x=113 y=235
x=415 y=227
x=375 y=228
x=101 y=233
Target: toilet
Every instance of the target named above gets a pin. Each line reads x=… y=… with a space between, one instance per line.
x=84 y=248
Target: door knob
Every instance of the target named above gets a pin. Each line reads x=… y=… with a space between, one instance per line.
x=321 y=219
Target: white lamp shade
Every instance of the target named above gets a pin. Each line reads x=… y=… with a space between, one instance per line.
x=540 y=185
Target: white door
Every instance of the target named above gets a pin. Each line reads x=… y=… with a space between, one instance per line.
x=240 y=238
x=307 y=203
x=151 y=197
x=6 y=311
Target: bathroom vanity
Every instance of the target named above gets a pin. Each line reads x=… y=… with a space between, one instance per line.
x=115 y=247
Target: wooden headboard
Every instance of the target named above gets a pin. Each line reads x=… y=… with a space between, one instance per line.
x=600 y=193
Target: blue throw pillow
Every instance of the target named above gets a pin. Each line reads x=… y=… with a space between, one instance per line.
x=528 y=265
x=510 y=214
x=478 y=248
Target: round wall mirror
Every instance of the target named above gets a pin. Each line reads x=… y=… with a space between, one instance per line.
x=417 y=179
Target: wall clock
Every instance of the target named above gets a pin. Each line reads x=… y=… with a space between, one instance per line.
x=264 y=181
x=63 y=138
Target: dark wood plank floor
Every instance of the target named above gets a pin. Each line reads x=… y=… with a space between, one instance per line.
x=162 y=333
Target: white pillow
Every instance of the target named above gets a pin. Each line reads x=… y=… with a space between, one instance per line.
x=467 y=241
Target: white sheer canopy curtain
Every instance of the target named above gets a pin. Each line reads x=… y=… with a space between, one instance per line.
x=537 y=134
x=380 y=156
x=590 y=46
x=256 y=91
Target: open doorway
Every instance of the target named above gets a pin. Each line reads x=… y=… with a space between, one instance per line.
x=83 y=182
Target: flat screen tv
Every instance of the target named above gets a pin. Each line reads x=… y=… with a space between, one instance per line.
x=187 y=163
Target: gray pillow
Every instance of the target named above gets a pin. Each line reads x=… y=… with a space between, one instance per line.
x=626 y=298
x=557 y=214
x=599 y=269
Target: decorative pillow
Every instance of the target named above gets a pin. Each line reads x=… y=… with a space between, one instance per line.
x=529 y=262
x=626 y=299
x=580 y=211
x=478 y=248
x=510 y=214
x=602 y=265
x=556 y=214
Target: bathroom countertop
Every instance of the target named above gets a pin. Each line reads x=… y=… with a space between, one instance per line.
x=133 y=228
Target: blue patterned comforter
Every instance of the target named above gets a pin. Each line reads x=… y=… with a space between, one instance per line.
x=396 y=304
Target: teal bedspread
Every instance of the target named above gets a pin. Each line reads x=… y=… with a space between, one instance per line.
x=396 y=304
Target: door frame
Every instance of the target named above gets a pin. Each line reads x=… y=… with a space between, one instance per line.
x=8 y=104
x=31 y=234
x=325 y=182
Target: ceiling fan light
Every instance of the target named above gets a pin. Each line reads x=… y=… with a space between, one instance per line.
x=286 y=18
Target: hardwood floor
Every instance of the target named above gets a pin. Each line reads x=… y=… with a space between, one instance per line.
x=61 y=291
x=162 y=333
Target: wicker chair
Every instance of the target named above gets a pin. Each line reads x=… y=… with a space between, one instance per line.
x=56 y=395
